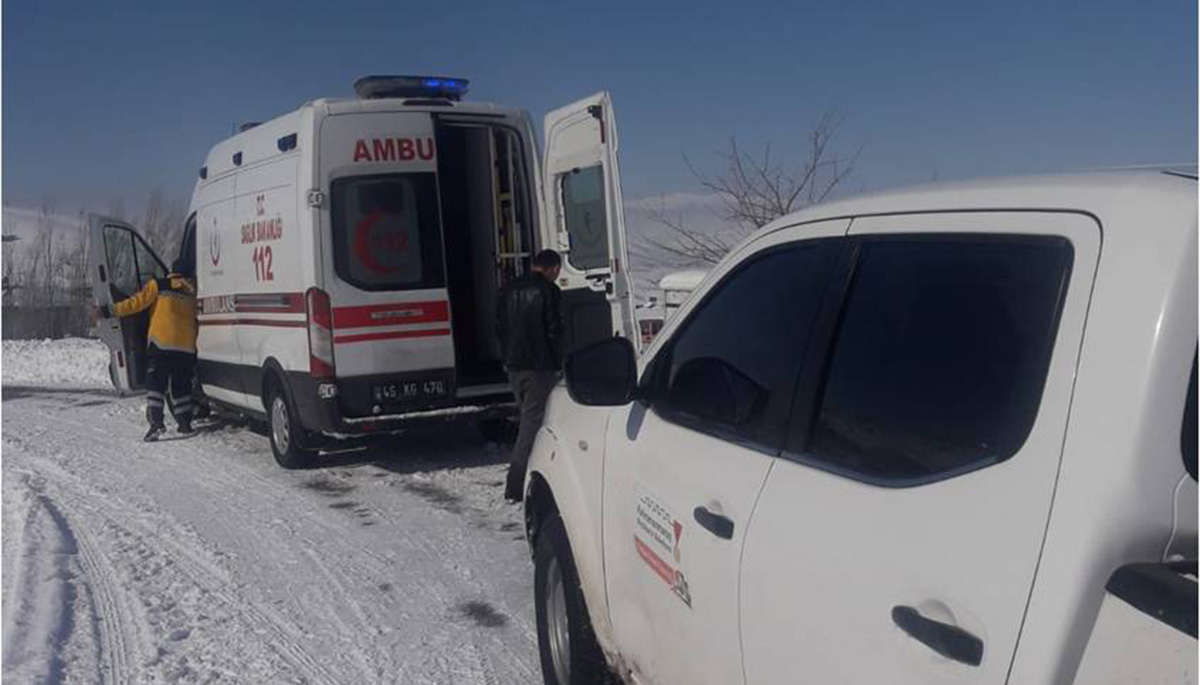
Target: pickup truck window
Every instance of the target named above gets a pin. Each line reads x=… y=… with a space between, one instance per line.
x=940 y=359
x=731 y=369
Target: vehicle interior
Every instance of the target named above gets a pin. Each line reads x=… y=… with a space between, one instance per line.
x=488 y=236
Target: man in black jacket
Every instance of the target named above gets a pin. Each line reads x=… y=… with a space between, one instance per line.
x=529 y=325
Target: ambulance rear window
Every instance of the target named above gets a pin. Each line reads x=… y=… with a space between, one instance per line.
x=386 y=231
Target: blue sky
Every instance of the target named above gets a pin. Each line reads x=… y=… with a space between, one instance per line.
x=110 y=99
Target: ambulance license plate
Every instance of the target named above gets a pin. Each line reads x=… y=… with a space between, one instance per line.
x=407 y=391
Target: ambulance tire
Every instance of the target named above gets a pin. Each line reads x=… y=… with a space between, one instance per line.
x=562 y=612
x=284 y=430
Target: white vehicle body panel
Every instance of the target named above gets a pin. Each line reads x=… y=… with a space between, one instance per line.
x=360 y=345
x=656 y=468
x=579 y=136
x=1127 y=646
x=114 y=279
x=1019 y=549
x=972 y=568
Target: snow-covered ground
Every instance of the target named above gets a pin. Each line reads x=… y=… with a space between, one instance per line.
x=198 y=560
x=74 y=362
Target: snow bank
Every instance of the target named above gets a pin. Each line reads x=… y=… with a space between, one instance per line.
x=73 y=362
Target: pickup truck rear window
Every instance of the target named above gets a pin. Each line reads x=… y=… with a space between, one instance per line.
x=387 y=232
x=941 y=355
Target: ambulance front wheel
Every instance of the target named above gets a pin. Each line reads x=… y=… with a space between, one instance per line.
x=285 y=432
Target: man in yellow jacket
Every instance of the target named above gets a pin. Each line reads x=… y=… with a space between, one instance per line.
x=172 y=345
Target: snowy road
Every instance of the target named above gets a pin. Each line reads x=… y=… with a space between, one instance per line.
x=198 y=560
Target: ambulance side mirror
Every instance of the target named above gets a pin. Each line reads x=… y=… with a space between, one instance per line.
x=603 y=374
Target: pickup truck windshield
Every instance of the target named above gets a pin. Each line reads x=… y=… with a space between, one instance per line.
x=387 y=232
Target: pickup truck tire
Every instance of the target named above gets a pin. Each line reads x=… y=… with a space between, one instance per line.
x=284 y=430
x=567 y=644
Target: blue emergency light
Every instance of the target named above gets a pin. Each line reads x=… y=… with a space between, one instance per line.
x=375 y=87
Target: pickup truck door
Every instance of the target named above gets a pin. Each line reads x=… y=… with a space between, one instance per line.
x=120 y=263
x=685 y=464
x=586 y=220
x=898 y=538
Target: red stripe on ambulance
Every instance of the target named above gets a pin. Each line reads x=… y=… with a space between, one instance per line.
x=392 y=335
x=271 y=323
x=395 y=314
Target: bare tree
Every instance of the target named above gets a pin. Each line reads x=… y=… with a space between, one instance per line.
x=162 y=224
x=753 y=191
x=73 y=265
x=116 y=208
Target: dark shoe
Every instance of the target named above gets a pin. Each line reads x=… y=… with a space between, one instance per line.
x=156 y=429
x=513 y=493
x=185 y=427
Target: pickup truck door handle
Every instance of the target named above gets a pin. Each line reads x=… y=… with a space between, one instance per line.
x=948 y=640
x=716 y=524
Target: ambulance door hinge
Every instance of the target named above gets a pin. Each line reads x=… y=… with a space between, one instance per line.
x=316 y=198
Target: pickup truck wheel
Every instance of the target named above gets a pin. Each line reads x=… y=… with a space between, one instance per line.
x=285 y=432
x=567 y=644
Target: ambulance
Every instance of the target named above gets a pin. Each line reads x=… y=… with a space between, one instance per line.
x=349 y=256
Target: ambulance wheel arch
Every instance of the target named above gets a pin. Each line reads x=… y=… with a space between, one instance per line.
x=298 y=452
x=273 y=375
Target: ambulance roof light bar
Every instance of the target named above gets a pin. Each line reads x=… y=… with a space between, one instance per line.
x=375 y=87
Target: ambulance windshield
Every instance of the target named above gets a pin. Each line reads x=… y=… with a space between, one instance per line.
x=386 y=231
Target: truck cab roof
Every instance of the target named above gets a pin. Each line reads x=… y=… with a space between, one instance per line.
x=1097 y=193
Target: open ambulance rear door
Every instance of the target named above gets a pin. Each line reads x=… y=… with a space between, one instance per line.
x=120 y=263
x=582 y=187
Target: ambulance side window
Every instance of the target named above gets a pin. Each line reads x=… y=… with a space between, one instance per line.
x=584 y=214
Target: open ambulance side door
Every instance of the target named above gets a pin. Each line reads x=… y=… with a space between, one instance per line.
x=120 y=263
x=586 y=220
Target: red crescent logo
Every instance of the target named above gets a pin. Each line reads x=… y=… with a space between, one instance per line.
x=362 y=246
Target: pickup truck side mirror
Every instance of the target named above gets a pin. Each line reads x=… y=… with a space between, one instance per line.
x=603 y=374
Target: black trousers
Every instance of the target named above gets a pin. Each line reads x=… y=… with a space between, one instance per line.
x=532 y=390
x=167 y=370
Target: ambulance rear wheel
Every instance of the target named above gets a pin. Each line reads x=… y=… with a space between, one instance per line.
x=567 y=644
x=285 y=432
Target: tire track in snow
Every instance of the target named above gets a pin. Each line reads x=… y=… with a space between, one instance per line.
x=111 y=613
x=133 y=534
x=39 y=618
x=431 y=557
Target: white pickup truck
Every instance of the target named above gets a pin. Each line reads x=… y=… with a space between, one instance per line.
x=904 y=438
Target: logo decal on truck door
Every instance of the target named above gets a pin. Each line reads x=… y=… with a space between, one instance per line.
x=657 y=537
